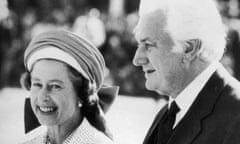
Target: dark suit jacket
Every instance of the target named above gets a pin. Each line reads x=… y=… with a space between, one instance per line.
x=213 y=118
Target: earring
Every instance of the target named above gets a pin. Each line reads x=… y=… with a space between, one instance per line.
x=79 y=104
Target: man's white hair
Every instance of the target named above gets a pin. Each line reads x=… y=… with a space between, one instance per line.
x=191 y=19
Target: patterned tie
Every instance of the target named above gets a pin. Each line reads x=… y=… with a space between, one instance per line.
x=165 y=126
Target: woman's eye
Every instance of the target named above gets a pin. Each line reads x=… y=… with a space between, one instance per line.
x=54 y=87
x=38 y=85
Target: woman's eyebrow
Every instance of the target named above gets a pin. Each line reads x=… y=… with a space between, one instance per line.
x=35 y=79
x=57 y=81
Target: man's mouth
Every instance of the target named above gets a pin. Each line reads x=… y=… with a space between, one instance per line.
x=149 y=71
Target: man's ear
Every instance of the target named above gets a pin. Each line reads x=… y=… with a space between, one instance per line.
x=191 y=48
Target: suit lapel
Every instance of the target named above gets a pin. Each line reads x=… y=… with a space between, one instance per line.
x=190 y=126
x=154 y=124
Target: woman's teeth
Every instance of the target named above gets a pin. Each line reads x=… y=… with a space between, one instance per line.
x=47 y=109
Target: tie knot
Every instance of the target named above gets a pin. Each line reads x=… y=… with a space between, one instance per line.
x=174 y=109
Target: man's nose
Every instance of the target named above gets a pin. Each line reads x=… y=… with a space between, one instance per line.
x=140 y=58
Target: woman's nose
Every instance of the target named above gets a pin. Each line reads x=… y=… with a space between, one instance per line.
x=44 y=94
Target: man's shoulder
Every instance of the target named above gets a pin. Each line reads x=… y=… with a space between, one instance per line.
x=231 y=86
x=229 y=99
x=224 y=89
x=232 y=89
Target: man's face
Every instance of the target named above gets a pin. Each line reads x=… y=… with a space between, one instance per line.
x=154 y=53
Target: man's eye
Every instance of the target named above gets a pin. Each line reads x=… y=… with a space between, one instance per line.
x=149 y=46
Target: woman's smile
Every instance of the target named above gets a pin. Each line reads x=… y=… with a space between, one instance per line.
x=48 y=109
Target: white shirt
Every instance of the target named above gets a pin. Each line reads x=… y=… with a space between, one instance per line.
x=186 y=98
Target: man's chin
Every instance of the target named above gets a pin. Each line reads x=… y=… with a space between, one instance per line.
x=150 y=87
x=154 y=88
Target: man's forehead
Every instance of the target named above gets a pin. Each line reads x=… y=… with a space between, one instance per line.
x=148 y=6
x=149 y=23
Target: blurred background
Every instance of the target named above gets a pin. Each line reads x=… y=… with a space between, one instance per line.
x=109 y=25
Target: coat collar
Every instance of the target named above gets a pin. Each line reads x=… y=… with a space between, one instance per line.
x=155 y=123
x=202 y=107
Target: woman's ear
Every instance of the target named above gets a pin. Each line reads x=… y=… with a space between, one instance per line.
x=25 y=80
x=191 y=49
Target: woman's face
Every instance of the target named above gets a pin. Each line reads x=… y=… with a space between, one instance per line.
x=53 y=98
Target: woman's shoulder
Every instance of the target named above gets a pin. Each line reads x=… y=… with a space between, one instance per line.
x=100 y=138
x=85 y=134
x=36 y=136
x=88 y=134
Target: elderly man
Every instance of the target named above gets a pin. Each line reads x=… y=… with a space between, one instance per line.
x=180 y=43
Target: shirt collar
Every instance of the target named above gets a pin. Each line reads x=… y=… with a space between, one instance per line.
x=185 y=99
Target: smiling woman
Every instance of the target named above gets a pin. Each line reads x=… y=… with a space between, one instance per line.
x=65 y=78
x=53 y=97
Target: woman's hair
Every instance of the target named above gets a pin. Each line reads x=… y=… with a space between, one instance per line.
x=86 y=92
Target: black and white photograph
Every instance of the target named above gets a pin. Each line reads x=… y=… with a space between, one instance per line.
x=120 y=72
